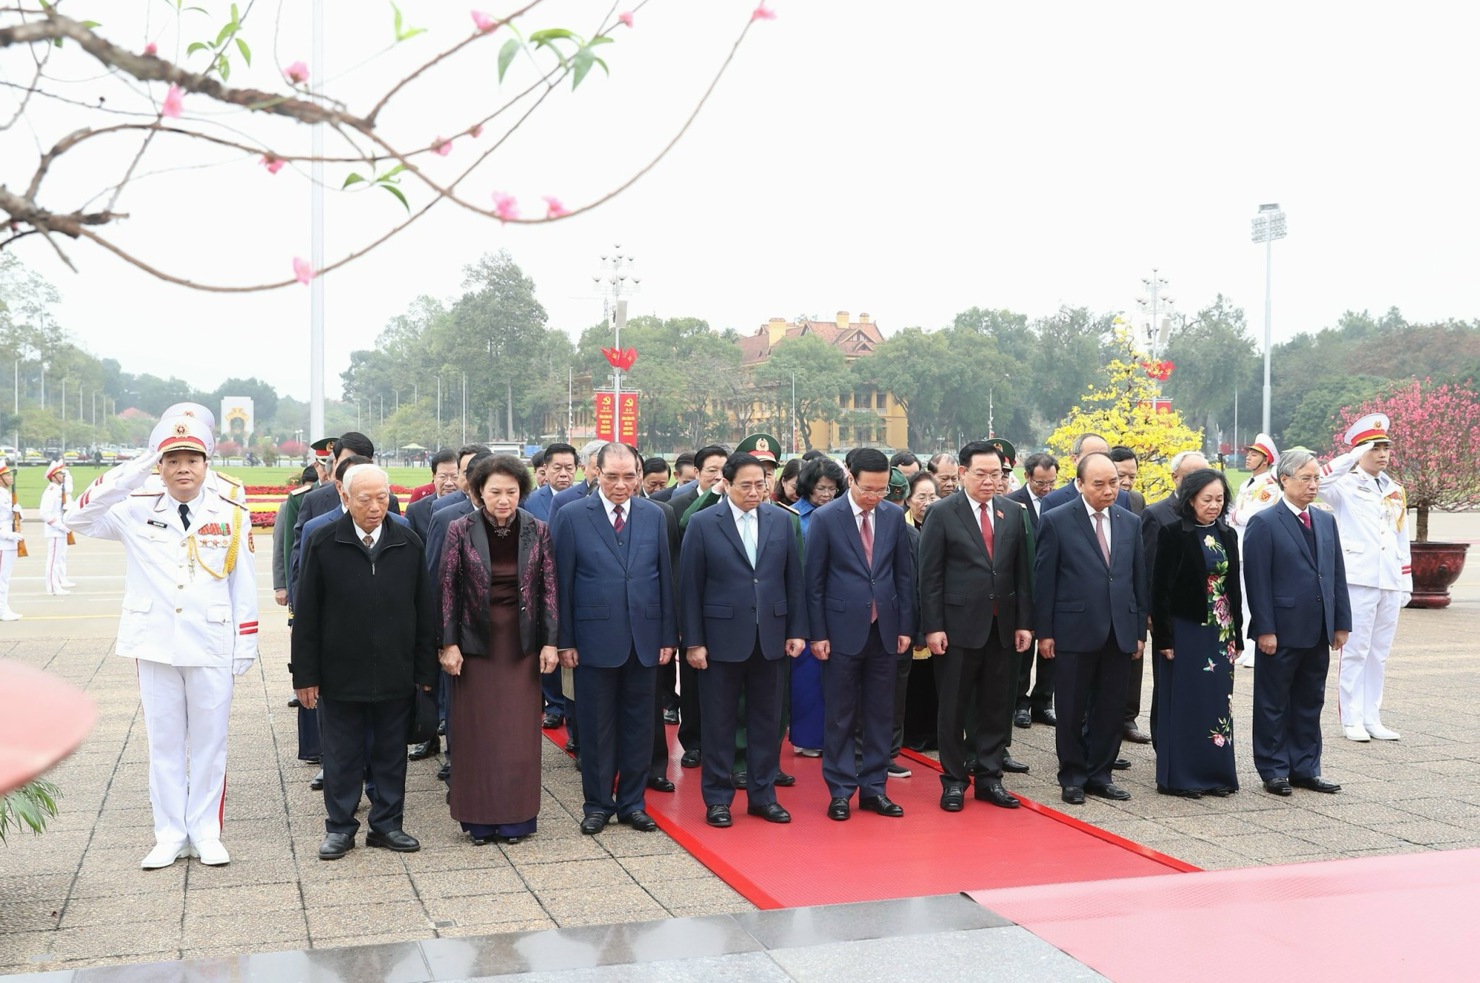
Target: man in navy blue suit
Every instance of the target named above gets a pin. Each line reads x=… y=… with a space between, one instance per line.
x=617 y=625
x=860 y=578
x=744 y=609
x=1090 y=612
x=587 y=485
x=1085 y=443
x=561 y=462
x=1299 y=610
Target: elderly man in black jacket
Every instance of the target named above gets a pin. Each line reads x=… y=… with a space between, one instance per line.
x=364 y=638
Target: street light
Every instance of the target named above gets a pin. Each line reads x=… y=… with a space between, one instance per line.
x=1157 y=326
x=1269 y=225
x=616 y=284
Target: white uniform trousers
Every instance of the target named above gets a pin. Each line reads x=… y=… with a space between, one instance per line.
x=7 y=566
x=1374 y=622
x=56 y=563
x=186 y=710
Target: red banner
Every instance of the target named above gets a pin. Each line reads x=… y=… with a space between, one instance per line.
x=606 y=405
x=628 y=422
x=606 y=417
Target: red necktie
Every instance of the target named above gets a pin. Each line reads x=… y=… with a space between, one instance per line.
x=866 y=531
x=987 y=530
x=618 y=523
x=1305 y=519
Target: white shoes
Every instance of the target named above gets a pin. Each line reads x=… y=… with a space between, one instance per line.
x=59 y=590
x=165 y=854
x=1380 y=733
x=1356 y=732
x=9 y=615
x=69 y=583
x=1245 y=659
x=211 y=853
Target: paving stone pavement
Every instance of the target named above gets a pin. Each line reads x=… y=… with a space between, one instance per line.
x=75 y=896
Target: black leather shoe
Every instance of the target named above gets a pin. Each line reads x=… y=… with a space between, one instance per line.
x=571 y=747
x=881 y=804
x=1108 y=791
x=1278 y=786
x=593 y=824
x=1045 y=716
x=336 y=845
x=670 y=716
x=442 y=728
x=772 y=813
x=839 y=809
x=784 y=780
x=991 y=790
x=424 y=750
x=660 y=784
x=552 y=720
x=953 y=797
x=444 y=773
x=718 y=816
x=690 y=758
x=393 y=839
x=1121 y=764
x=1135 y=734
x=1220 y=791
x=1316 y=784
x=482 y=840
x=1022 y=719
x=293 y=702
x=739 y=779
x=1185 y=793
x=639 y=821
x=1013 y=765
x=1073 y=794
x=317 y=782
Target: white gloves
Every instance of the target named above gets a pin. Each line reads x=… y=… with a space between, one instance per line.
x=240 y=666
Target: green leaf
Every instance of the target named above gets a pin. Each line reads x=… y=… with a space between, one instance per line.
x=226 y=31
x=403 y=33
x=550 y=34
x=196 y=46
x=91 y=24
x=580 y=65
x=241 y=46
x=390 y=174
x=236 y=17
x=224 y=67
x=399 y=196
x=600 y=39
x=506 y=56
x=352 y=179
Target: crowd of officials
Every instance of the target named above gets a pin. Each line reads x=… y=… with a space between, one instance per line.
x=811 y=606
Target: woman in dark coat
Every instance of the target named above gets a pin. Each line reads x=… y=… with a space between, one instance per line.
x=1195 y=627
x=498 y=632
x=819 y=482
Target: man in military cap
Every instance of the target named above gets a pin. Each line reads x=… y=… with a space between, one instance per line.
x=189 y=622
x=53 y=499
x=227 y=486
x=1258 y=493
x=1010 y=482
x=1371 y=514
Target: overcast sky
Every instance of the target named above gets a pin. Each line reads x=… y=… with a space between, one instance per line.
x=905 y=159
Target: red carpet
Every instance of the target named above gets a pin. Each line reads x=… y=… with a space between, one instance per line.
x=1405 y=917
x=815 y=861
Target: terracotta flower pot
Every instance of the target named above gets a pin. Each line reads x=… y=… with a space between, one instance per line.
x=1435 y=567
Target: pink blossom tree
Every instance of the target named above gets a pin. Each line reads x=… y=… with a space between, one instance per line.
x=1435 y=429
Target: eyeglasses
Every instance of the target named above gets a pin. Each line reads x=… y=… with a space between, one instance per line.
x=871 y=492
x=749 y=486
x=984 y=475
x=1044 y=484
x=630 y=478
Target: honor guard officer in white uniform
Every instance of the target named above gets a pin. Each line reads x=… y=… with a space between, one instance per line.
x=1371 y=513
x=189 y=619
x=10 y=538
x=1255 y=495
x=226 y=486
x=53 y=500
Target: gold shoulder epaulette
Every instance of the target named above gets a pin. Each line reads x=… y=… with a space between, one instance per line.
x=229 y=479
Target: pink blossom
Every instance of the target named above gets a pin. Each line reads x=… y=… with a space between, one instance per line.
x=302 y=271
x=504 y=206
x=763 y=12
x=441 y=147
x=625 y=17
x=476 y=131
x=553 y=207
x=173 y=102
x=272 y=163
x=1218 y=740
x=297 y=73
x=483 y=22
x=151 y=48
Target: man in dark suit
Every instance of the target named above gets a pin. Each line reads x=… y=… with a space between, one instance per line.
x=976 y=605
x=1299 y=610
x=683 y=471
x=587 y=485
x=617 y=624
x=1085 y=443
x=1128 y=467
x=326 y=498
x=1090 y=610
x=860 y=579
x=743 y=605
x=444 y=483
x=1154 y=518
x=561 y=462
x=364 y=633
x=1041 y=471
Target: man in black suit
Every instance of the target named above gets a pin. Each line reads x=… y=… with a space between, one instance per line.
x=364 y=638
x=1299 y=610
x=1128 y=467
x=444 y=483
x=1042 y=472
x=1090 y=609
x=1154 y=518
x=976 y=605
x=326 y=498
x=743 y=610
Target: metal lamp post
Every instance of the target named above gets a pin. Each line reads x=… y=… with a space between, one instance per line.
x=1269 y=225
x=1153 y=303
x=616 y=283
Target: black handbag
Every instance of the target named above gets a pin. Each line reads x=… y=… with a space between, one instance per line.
x=423 y=718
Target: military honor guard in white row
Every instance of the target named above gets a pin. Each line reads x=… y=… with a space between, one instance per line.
x=53 y=503
x=12 y=543
x=1258 y=492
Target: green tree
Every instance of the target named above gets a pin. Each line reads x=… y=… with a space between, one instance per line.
x=1320 y=409
x=1214 y=358
x=1067 y=358
x=821 y=374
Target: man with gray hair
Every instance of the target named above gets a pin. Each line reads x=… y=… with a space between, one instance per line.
x=1156 y=517
x=364 y=633
x=947 y=472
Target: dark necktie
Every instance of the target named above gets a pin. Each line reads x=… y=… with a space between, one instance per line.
x=987 y=530
x=618 y=524
x=185 y=516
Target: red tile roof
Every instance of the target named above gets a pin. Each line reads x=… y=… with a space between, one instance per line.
x=858 y=338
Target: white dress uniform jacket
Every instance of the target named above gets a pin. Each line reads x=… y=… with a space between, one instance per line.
x=1254 y=496
x=180 y=605
x=51 y=511
x=1372 y=514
